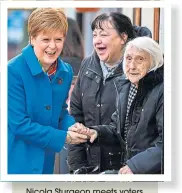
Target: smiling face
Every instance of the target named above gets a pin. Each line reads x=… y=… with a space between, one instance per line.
x=137 y=64
x=48 y=46
x=108 y=44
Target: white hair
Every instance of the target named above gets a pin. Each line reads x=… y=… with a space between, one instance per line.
x=148 y=45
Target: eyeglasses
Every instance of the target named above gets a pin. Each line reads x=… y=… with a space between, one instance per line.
x=137 y=59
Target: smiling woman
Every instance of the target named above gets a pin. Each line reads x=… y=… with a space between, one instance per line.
x=47 y=47
x=142 y=56
x=38 y=86
x=138 y=121
x=47 y=38
x=94 y=95
x=137 y=64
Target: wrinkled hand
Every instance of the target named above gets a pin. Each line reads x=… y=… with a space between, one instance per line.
x=81 y=129
x=75 y=138
x=125 y=170
x=93 y=135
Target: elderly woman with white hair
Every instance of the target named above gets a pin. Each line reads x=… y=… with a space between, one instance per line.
x=138 y=121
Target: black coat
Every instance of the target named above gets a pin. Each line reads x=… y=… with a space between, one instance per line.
x=93 y=103
x=144 y=148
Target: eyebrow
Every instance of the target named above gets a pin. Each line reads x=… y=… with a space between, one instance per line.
x=135 y=55
x=99 y=31
x=44 y=36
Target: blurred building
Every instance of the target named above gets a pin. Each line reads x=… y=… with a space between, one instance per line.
x=17 y=25
x=17 y=35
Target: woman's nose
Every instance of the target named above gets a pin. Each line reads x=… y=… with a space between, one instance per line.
x=52 y=44
x=97 y=40
x=133 y=64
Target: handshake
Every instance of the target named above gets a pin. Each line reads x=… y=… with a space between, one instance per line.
x=78 y=133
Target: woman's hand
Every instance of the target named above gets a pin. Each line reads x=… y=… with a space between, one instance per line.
x=75 y=138
x=81 y=129
x=125 y=170
x=93 y=135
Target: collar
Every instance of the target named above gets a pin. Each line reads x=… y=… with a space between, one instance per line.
x=149 y=81
x=113 y=66
x=152 y=78
x=94 y=65
x=109 y=68
x=51 y=70
x=33 y=63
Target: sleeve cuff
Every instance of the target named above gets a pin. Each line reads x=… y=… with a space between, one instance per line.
x=57 y=140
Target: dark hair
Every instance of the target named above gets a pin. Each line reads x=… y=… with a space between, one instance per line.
x=119 y=21
x=73 y=46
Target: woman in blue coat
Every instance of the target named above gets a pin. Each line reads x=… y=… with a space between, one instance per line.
x=38 y=86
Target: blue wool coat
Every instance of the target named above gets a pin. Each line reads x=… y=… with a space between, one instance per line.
x=37 y=114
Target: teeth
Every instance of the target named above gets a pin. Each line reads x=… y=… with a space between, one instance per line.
x=50 y=52
x=101 y=48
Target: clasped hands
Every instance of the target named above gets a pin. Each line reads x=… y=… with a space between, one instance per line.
x=78 y=133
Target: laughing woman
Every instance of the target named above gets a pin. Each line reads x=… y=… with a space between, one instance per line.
x=94 y=95
x=38 y=86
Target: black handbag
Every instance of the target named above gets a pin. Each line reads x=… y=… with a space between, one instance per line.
x=87 y=170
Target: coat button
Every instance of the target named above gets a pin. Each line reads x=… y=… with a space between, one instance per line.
x=98 y=105
x=48 y=107
x=60 y=81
